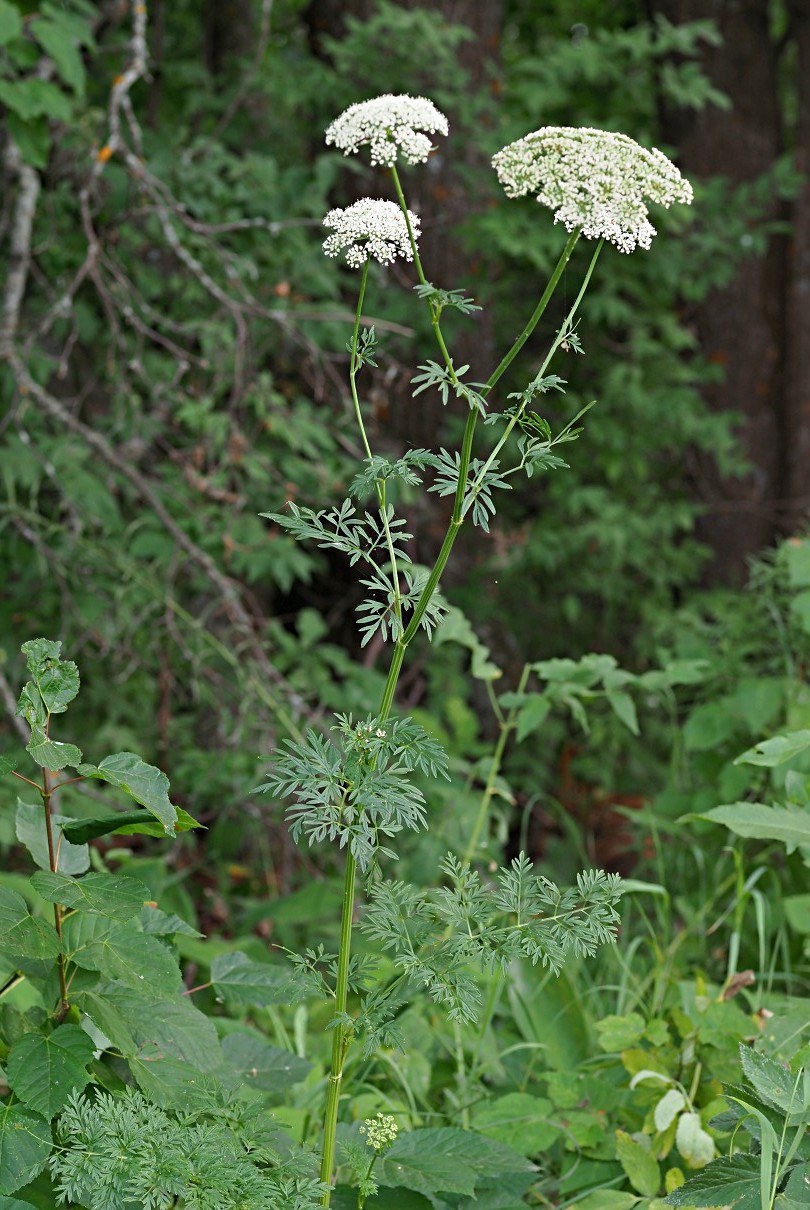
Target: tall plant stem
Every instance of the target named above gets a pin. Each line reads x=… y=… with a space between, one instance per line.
x=47 y=793
x=341 y=1037
x=341 y=1034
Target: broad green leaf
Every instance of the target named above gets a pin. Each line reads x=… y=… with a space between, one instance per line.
x=521 y=1121
x=22 y=935
x=456 y=628
x=171 y=1082
x=775 y=1084
x=10 y=22
x=532 y=715
x=14 y=1203
x=160 y=1026
x=32 y=98
x=344 y=1197
x=797 y=1191
x=122 y=952
x=8 y=764
x=33 y=137
x=776 y=751
x=639 y=1164
x=668 y=1108
x=445 y=1160
x=57 y=680
x=797 y=912
x=606 y=1199
x=31 y=831
x=108 y=894
x=44 y=1070
x=617 y=1033
x=624 y=708
x=146 y=784
x=102 y=1015
x=52 y=754
x=159 y=924
x=695 y=1144
x=728 y=1181
x=25 y=1144
x=56 y=41
x=754 y=820
x=125 y=823
x=254 y=1063
x=240 y=980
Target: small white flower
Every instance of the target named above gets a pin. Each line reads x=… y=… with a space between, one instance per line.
x=593 y=179
x=381 y=1132
x=390 y=125
x=370 y=227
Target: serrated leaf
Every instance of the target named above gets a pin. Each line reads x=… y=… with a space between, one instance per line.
x=160 y=924
x=240 y=980
x=121 y=952
x=695 y=1144
x=617 y=1033
x=107 y=894
x=728 y=1181
x=668 y=1108
x=25 y=1144
x=254 y=1063
x=56 y=679
x=776 y=751
x=639 y=1164
x=446 y=1160
x=14 y=1203
x=44 y=1070
x=52 y=754
x=9 y=763
x=157 y=1026
x=22 y=935
x=10 y=22
x=776 y=1085
x=31 y=831
x=171 y=1082
x=143 y=782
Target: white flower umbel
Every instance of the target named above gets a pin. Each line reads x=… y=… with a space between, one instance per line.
x=593 y=179
x=391 y=125
x=370 y=228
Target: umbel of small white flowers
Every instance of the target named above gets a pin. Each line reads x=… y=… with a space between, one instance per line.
x=370 y=228
x=593 y=179
x=391 y=125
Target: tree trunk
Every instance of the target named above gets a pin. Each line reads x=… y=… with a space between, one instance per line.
x=740 y=327
x=797 y=310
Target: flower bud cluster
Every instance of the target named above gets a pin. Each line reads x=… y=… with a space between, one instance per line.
x=381 y=1132
x=593 y=179
x=391 y=125
x=370 y=228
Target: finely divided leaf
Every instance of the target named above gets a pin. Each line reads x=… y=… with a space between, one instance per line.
x=146 y=784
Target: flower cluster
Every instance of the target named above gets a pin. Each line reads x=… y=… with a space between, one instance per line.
x=593 y=179
x=370 y=228
x=390 y=125
x=381 y=1132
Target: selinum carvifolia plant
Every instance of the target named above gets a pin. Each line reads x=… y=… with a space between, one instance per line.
x=354 y=788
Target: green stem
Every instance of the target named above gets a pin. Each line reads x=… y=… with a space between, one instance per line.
x=353 y=361
x=565 y=331
x=341 y=1035
x=506 y=727
x=47 y=792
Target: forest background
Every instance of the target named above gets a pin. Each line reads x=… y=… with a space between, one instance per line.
x=173 y=347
